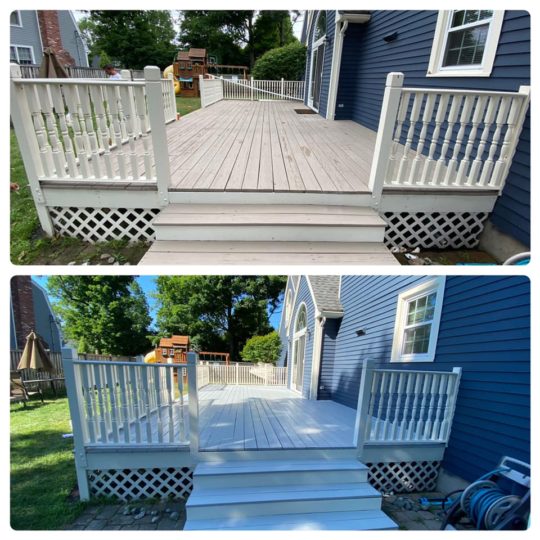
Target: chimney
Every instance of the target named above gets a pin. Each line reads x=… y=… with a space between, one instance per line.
x=49 y=27
x=23 y=308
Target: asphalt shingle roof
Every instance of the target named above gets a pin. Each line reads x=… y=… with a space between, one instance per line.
x=326 y=292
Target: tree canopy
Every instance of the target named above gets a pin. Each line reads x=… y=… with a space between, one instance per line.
x=133 y=39
x=219 y=313
x=286 y=62
x=262 y=348
x=103 y=314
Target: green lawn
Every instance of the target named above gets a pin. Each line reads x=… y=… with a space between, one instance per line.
x=42 y=466
x=185 y=105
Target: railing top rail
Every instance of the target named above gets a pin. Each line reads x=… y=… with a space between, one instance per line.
x=463 y=92
x=95 y=82
x=115 y=363
x=415 y=371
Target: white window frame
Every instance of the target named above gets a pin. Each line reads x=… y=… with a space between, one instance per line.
x=18 y=12
x=314 y=45
x=296 y=336
x=23 y=47
x=435 y=68
x=436 y=285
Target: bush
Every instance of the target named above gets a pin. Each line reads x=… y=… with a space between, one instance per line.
x=262 y=349
x=286 y=62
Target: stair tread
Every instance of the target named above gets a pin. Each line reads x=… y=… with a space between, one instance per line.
x=351 y=520
x=267 y=466
x=209 y=496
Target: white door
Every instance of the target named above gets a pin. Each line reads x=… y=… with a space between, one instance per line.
x=299 y=350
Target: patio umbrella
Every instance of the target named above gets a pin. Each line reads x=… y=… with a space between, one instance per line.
x=50 y=67
x=34 y=355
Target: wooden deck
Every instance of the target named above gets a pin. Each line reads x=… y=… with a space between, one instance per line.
x=259 y=417
x=267 y=146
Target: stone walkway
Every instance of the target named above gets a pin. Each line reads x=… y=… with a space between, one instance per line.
x=137 y=516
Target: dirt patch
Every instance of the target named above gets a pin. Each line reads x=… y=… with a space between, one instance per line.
x=446 y=257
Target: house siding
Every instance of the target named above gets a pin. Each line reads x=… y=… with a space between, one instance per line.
x=367 y=59
x=45 y=320
x=485 y=329
x=28 y=34
x=71 y=38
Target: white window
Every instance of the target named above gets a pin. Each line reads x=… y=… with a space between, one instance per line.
x=21 y=54
x=417 y=322
x=465 y=43
x=15 y=18
x=164 y=351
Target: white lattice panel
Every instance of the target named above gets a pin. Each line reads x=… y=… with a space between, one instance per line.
x=135 y=484
x=104 y=224
x=434 y=230
x=404 y=477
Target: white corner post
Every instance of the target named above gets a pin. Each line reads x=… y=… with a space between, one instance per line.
x=21 y=118
x=449 y=420
x=193 y=402
x=282 y=88
x=251 y=87
x=73 y=389
x=364 y=396
x=385 y=134
x=201 y=91
x=156 y=114
x=170 y=76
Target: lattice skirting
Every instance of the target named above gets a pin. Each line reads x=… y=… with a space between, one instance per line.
x=434 y=230
x=136 y=484
x=104 y=224
x=404 y=477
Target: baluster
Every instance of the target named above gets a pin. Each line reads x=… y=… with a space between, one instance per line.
x=408 y=392
x=450 y=390
x=434 y=435
x=121 y=115
x=111 y=383
x=102 y=414
x=421 y=414
x=136 y=401
x=370 y=419
x=463 y=123
x=396 y=424
x=88 y=123
x=452 y=119
x=488 y=121
x=476 y=119
x=182 y=410
x=429 y=421
x=382 y=392
x=102 y=129
x=45 y=150
x=130 y=127
x=112 y=104
x=389 y=415
x=145 y=392
x=140 y=102
x=426 y=121
x=124 y=403
x=413 y=118
x=106 y=400
x=88 y=391
x=400 y=119
x=157 y=382
x=60 y=109
x=417 y=389
x=169 y=377
x=509 y=142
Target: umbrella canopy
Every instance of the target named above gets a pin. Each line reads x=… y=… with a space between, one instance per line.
x=34 y=355
x=50 y=67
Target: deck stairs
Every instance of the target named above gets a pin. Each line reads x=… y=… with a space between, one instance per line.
x=285 y=495
x=268 y=234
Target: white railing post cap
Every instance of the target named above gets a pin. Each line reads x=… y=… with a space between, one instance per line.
x=395 y=79
x=15 y=71
x=191 y=358
x=125 y=74
x=152 y=73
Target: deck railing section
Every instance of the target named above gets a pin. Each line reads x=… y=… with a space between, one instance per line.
x=211 y=91
x=446 y=138
x=406 y=406
x=252 y=374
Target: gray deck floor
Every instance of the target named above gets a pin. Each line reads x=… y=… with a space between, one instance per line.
x=267 y=146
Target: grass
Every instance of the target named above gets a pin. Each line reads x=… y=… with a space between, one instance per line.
x=42 y=466
x=29 y=244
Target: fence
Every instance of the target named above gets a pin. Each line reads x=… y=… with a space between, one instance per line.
x=33 y=375
x=446 y=138
x=253 y=374
x=216 y=89
x=397 y=406
x=107 y=357
x=31 y=71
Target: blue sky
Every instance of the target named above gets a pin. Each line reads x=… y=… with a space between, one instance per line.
x=148 y=285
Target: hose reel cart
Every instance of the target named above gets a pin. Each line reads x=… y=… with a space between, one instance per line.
x=499 y=500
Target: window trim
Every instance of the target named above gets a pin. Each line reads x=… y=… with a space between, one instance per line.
x=24 y=47
x=440 y=39
x=297 y=334
x=315 y=44
x=18 y=12
x=436 y=285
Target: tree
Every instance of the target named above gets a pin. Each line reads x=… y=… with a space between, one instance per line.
x=262 y=348
x=133 y=39
x=286 y=62
x=219 y=313
x=103 y=314
x=272 y=29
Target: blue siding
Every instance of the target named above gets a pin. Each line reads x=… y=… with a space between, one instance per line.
x=367 y=59
x=485 y=329
x=71 y=38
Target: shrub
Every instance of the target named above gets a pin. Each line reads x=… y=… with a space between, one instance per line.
x=262 y=349
x=286 y=62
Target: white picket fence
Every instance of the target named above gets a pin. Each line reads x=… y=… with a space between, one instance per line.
x=215 y=89
x=252 y=374
x=446 y=138
x=398 y=406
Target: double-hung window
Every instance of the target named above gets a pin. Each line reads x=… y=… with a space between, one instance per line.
x=21 y=54
x=465 y=43
x=417 y=322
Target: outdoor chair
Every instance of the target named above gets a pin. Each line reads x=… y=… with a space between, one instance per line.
x=20 y=391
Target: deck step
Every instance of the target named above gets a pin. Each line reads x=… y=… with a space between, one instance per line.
x=209 y=252
x=269 y=223
x=357 y=521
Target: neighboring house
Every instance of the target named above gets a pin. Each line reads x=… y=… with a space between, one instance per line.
x=173 y=349
x=33 y=31
x=331 y=324
x=350 y=53
x=31 y=310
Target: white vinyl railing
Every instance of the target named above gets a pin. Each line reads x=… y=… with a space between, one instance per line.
x=446 y=138
x=252 y=374
x=405 y=406
x=211 y=91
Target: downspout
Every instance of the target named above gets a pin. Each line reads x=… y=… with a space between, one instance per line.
x=336 y=67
